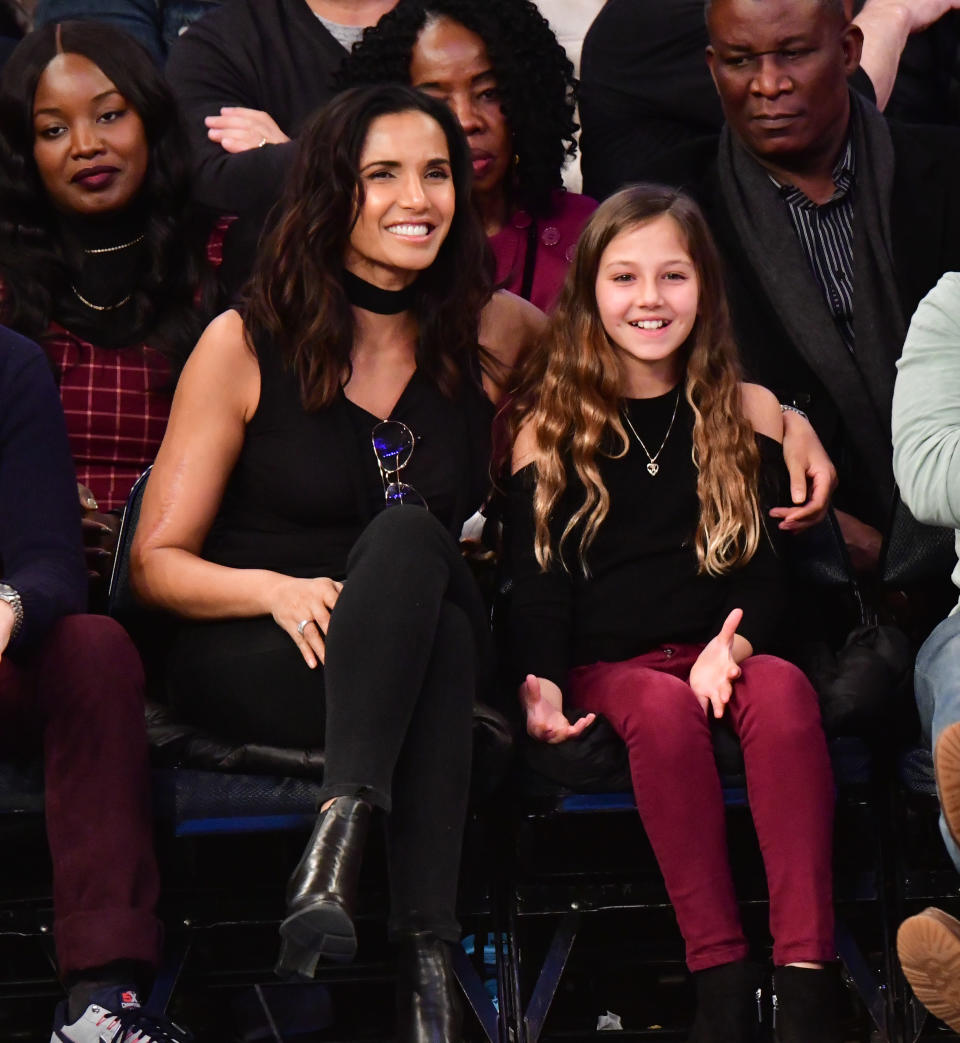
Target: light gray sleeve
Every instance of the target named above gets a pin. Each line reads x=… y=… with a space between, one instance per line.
x=926 y=408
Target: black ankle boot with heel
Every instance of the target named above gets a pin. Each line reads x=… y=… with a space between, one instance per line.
x=428 y=1001
x=322 y=891
x=726 y=1003
x=808 y=1004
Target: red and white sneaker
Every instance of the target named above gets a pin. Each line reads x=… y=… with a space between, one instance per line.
x=114 y=1015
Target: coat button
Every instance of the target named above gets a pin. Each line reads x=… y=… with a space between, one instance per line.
x=668 y=652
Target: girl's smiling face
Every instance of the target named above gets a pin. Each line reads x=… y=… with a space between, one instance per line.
x=647 y=298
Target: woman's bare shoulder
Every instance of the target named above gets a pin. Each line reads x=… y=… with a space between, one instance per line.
x=223 y=363
x=509 y=326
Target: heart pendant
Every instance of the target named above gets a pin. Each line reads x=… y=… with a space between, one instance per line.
x=653 y=467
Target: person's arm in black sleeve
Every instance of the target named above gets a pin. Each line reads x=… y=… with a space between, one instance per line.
x=540 y=622
x=759 y=586
x=40 y=544
x=540 y=613
x=750 y=617
x=205 y=75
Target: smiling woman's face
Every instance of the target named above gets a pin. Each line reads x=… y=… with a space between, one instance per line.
x=409 y=200
x=450 y=63
x=89 y=144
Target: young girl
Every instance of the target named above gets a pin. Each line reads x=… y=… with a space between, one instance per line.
x=645 y=584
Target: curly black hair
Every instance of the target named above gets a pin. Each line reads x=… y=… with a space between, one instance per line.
x=535 y=77
x=33 y=265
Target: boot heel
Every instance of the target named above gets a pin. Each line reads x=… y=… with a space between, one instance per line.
x=294 y=961
x=322 y=928
x=322 y=890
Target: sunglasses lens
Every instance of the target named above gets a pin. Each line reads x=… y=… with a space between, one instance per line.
x=400 y=492
x=393 y=444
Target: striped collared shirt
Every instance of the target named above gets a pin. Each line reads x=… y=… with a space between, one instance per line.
x=825 y=232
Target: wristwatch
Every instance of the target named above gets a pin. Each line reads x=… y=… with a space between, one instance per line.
x=12 y=598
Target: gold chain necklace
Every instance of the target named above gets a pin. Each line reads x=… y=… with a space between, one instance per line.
x=116 y=249
x=652 y=466
x=99 y=307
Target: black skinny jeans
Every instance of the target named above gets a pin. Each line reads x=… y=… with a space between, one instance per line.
x=408 y=647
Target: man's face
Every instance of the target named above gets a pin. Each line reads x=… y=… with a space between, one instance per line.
x=781 y=69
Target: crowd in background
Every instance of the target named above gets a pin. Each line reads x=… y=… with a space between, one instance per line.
x=650 y=286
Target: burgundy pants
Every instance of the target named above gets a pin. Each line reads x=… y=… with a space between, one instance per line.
x=81 y=692
x=774 y=712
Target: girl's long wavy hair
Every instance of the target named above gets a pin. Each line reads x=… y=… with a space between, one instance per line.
x=570 y=392
x=296 y=295
x=33 y=265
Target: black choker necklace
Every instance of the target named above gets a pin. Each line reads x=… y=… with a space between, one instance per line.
x=363 y=294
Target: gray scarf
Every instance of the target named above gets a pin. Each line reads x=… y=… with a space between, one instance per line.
x=860 y=385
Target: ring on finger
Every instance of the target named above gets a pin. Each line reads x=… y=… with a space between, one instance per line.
x=260 y=144
x=302 y=625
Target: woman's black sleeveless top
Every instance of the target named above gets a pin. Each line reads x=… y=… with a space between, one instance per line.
x=307 y=483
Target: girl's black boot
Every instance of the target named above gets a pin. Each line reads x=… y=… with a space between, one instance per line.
x=428 y=1003
x=726 y=1003
x=322 y=891
x=808 y=1004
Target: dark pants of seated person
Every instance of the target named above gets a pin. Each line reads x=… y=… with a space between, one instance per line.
x=775 y=714
x=407 y=648
x=81 y=693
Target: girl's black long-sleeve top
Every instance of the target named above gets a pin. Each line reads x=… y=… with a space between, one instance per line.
x=644 y=589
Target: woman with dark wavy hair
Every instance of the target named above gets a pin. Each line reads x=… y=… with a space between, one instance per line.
x=285 y=518
x=500 y=68
x=98 y=259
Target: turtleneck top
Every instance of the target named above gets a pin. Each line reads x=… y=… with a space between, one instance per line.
x=115 y=388
x=106 y=256
x=644 y=589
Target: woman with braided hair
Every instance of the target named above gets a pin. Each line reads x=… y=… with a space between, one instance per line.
x=500 y=68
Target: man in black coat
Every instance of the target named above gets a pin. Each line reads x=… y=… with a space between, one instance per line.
x=833 y=223
x=248 y=76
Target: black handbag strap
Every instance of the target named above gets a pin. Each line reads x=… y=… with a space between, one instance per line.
x=529 y=261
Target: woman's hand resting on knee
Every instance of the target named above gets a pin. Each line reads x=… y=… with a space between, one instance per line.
x=718 y=665
x=543 y=702
x=294 y=600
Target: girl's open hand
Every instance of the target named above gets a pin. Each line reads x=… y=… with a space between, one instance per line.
x=715 y=670
x=543 y=702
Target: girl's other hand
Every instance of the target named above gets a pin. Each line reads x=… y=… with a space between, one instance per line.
x=294 y=600
x=715 y=670
x=543 y=702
